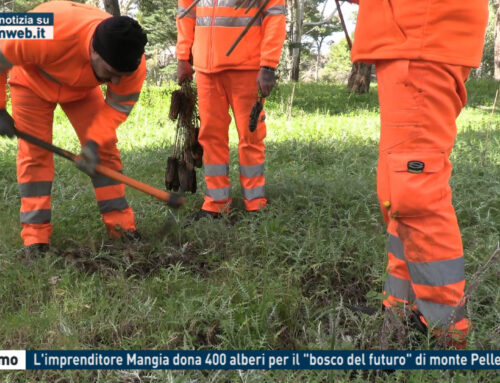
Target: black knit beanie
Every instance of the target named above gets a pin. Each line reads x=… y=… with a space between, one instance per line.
x=120 y=41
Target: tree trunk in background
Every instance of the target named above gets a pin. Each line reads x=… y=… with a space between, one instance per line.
x=360 y=76
x=318 y=58
x=497 y=45
x=297 y=39
x=112 y=6
x=289 y=37
x=359 y=79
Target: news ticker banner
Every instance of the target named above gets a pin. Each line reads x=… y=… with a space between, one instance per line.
x=248 y=360
x=26 y=26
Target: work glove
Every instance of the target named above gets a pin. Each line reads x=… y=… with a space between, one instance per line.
x=88 y=158
x=266 y=80
x=6 y=124
x=184 y=71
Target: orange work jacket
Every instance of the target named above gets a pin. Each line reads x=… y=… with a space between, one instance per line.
x=447 y=31
x=211 y=27
x=47 y=65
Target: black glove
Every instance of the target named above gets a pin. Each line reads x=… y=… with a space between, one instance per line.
x=254 y=115
x=184 y=71
x=266 y=80
x=88 y=158
x=6 y=124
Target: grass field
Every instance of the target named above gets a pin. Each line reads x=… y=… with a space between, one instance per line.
x=285 y=278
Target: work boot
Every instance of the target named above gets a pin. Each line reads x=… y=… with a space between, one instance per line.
x=393 y=332
x=36 y=250
x=416 y=323
x=402 y=328
x=131 y=236
x=205 y=213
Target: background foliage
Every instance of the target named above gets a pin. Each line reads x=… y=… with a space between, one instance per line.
x=320 y=21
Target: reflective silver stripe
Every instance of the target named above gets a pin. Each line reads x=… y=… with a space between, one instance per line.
x=399 y=288
x=233 y=3
x=35 y=189
x=122 y=97
x=48 y=76
x=225 y=3
x=101 y=180
x=276 y=10
x=191 y=13
x=437 y=273
x=235 y=22
x=206 y=3
x=6 y=64
x=216 y=170
x=440 y=315
x=36 y=216
x=396 y=247
x=112 y=204
x=250 y=194
x=219 y=194
x=251 y=171
x=221 y=21
x=119 y=107
x=203 y=21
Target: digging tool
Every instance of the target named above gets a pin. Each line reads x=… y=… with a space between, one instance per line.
x=250 y=23
x=172 y=200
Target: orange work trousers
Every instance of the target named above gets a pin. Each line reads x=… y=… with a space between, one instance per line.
x=216 y=93
x=33 y=113
x=419 y=103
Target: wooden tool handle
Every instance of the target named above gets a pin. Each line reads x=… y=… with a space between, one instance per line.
x=173 y=200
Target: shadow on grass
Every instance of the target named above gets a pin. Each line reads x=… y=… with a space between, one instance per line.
x=481 y=93
x=325 y=98
x=334 y=98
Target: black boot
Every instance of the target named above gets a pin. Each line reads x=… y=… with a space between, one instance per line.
x=205 y=213
x=131 y=236
x=36 y=250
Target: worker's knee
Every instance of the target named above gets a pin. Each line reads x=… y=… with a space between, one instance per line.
x=418 y=184
x=109 y=156
x=257 y=135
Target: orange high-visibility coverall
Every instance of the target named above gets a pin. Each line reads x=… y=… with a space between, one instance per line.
x=207 y=32
x=49 y=72
x=423 y=51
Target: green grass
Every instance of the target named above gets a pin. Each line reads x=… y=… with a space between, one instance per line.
x=281 y=279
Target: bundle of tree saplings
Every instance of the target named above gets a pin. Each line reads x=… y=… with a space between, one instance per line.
x=180 y=173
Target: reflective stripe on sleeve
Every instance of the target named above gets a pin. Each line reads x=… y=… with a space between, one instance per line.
x=191 y=13
x=119 y=107
x=276 y=10
x=122 y=97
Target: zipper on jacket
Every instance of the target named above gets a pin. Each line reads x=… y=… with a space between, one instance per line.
x=212 y=33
